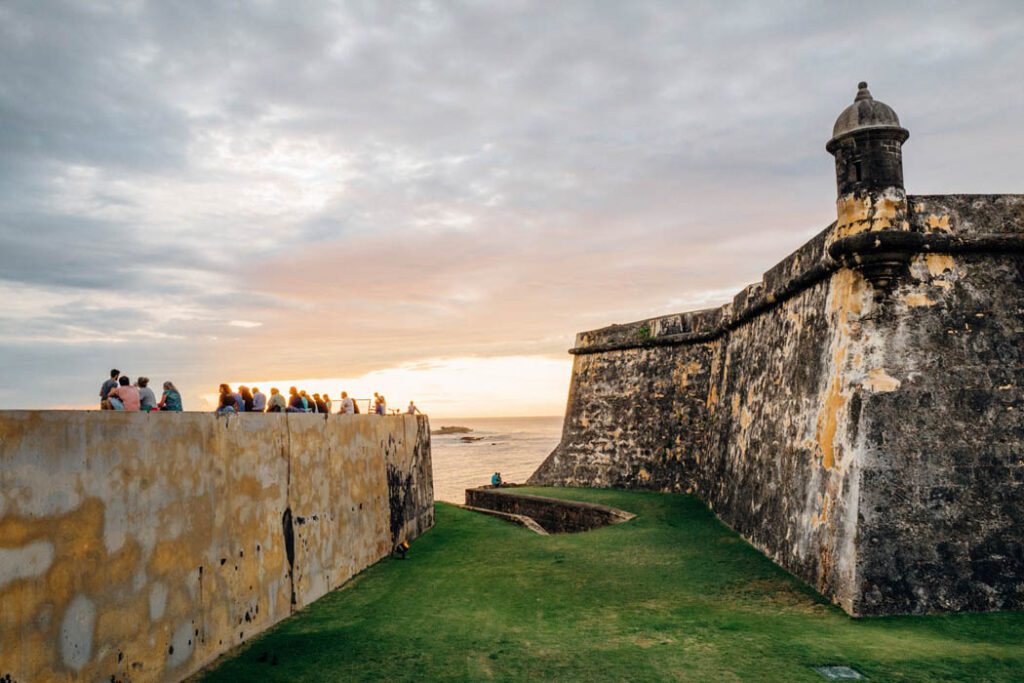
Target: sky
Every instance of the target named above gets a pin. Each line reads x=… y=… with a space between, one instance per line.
x=430 y=199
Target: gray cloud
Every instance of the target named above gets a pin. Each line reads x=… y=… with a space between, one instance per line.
x=396 y=181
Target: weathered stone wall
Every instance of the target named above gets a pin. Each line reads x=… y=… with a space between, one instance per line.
x=942 y=494
x=863 y=438
x=139 y=547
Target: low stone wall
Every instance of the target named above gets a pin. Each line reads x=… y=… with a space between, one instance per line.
x=552 y=514
x=140 y=547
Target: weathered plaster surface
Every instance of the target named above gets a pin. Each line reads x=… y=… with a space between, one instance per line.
x=868 y=440
x=140 y=547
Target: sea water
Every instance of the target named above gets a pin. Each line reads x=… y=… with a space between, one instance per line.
x=514 y=446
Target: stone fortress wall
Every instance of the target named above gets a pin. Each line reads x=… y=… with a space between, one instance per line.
x=858 y=415
x=140 y=547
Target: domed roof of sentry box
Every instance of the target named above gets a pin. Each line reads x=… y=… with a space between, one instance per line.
x=865 y=112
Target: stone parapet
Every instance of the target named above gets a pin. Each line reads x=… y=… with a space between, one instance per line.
x=140 y=546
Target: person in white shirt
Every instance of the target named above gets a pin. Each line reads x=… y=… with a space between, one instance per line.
x=347 y=406
x=412 y=409
x=259 y=400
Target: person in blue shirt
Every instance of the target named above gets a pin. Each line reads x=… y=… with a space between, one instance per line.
x=107 y=386
x=496 y=479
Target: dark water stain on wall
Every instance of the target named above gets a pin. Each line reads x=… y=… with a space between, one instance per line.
x=289 y=547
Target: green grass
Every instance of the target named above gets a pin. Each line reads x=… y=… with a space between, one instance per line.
x=670 y=595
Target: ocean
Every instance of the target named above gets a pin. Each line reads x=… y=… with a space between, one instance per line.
x=514 y=446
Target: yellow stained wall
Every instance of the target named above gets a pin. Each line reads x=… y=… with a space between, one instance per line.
x=143 y=546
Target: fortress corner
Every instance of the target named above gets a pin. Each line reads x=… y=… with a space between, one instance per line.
x=858 y=414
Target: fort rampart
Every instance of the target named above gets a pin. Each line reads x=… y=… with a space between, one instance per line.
x=858 y=415
x=140 y=547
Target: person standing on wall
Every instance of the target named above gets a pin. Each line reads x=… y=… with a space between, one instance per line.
x=105 y=389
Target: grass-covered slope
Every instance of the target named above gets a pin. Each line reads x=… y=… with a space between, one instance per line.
x=671 y=595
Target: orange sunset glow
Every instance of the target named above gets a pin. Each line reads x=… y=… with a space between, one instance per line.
x=424 y=201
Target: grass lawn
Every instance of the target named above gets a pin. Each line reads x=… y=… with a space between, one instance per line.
x=670 y=595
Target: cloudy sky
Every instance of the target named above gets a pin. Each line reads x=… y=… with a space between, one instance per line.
x=429 y=199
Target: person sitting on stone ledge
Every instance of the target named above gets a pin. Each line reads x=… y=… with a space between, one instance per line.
x=126 y=394
x=295 y=402
x=171 y=399
x=496 y=480
x=225 y=399
x=321 y=405
x=239 y=403
x=307 y=401
x=248 y=402
x=259 y=400
x=105 y=389
x=147 y=399
x=277 y=403
x=348 y=406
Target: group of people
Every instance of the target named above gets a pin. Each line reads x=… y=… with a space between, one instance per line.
x=118 y=393
x=252 y=400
